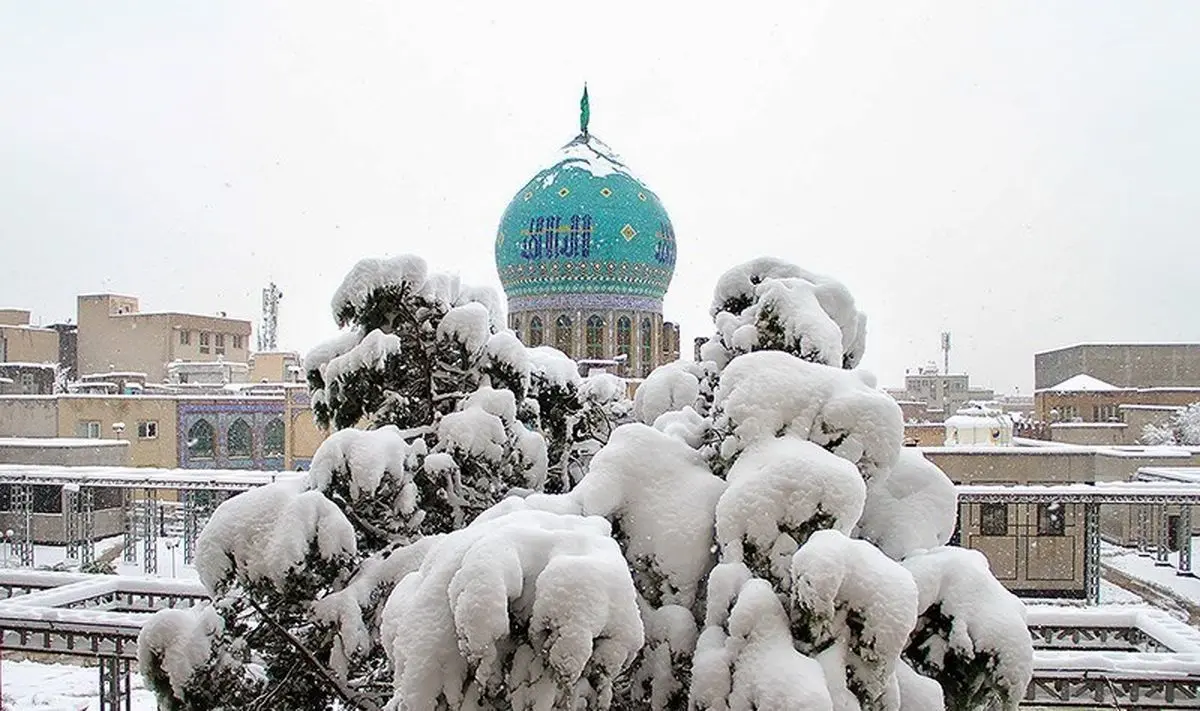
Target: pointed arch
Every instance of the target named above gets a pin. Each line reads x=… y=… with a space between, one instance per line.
x=536 y=334
x=201 y=440
x=273 y=438
x=594 y=337
x=646 y=355
x=562 y=333
x=239 y=440
x=624 y=337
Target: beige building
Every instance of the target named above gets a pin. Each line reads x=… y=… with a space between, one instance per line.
x=1038 y=550
x=276 y=367
x=22 y=343
x=260 y=431
x=1083 y=398
x=1130 y=365
x=147 y=422
x=939 y=394
x=115 y=336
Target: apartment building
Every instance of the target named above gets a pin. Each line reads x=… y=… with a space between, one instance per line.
x=21 y=342
x=114 y=335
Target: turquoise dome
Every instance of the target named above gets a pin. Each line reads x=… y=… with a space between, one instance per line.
x=585 y=233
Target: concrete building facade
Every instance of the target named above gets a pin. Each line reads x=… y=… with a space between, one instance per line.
x=1132 y=365
x=939 y=394
x=21 y=342
x=115 y=335
x=1037 y=550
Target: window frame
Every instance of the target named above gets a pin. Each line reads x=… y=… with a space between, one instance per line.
x=147 y=429
x=594 y=337
x=536 y=327
x=564 y=335
x=185 y=337
x=193 y=453
x=625 y=336
x=84 y=429
x=239 y=453
x=988 y=515
x=272 y=425
x=1047 y=524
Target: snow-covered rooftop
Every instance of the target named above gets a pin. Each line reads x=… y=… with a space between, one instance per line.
x=1083 y=383
x=1098 y=344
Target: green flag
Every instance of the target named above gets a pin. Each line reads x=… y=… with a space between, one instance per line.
x=585 y=112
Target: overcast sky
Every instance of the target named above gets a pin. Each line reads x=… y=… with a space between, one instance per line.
x=1022 y=174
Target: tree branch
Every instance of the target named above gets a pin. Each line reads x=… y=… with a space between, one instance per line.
x=347 y=694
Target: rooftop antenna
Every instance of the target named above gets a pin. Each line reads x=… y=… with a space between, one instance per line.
x=946 y=352
x=270 y=318
x=585 y=112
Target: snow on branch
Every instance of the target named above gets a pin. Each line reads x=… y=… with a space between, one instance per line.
x=780 y=492
x=971 y=634
x=913 y=508
x=529 y=609
x=769 y=393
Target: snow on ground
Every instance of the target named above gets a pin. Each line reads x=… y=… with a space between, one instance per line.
x=170 y=560
x=36 y=686
x=1111 y=594
x=1144 y=568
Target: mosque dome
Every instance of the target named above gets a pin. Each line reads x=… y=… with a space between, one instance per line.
x=584 y=232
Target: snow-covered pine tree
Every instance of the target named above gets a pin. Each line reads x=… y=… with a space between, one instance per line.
x=451 y=408
x=758 y=540
x=785 y=552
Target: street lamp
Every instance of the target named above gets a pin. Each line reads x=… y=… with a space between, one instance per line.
x=171 y=544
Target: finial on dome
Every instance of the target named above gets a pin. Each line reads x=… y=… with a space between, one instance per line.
x=585 y=112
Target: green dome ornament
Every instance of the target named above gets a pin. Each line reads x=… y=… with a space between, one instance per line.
x=585 y=233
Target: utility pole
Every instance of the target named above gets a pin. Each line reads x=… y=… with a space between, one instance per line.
x=268 y=331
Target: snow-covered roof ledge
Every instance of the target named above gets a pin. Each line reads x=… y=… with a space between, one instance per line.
x=1083 y=383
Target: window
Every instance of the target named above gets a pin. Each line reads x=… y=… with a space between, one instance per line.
x=562 y=334
x=185 y=337
x=220 y=344
x=88 y=429
x=200 y=440
x=624 y=336
x=148 y=429
x=993 y=519
x=1051 y=520
x=28 y=387
x=515 y=323
x=237 y=342
x=1068 y=413
x=1105 y=413
x=239 y=439
x=46 y=498
x=205 y=341
x=647 y=341
x=595 y=337
x=273 y=439
x=535 y=331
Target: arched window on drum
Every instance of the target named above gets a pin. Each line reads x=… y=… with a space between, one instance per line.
x=562 y=334
x=647 y=346
x=595 y=337
x=624 y=337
